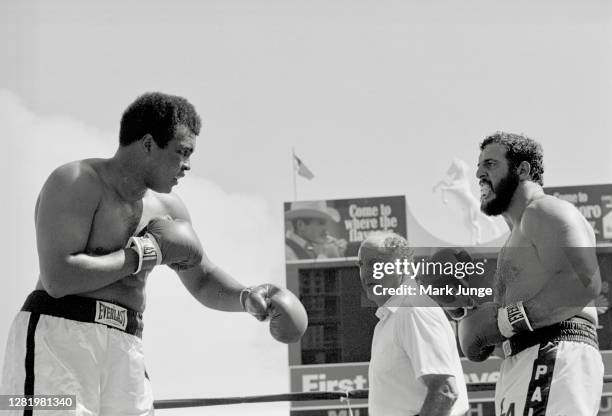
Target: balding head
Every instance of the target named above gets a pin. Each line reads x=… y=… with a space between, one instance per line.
x=389 y=244
x=381 y=248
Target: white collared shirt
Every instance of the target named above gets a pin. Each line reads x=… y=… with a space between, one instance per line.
x=410 y=342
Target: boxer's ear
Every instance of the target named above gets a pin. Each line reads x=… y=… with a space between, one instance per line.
x=147 y=142
x=524 y=170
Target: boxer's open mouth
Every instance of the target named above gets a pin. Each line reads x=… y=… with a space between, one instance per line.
x=485 y=190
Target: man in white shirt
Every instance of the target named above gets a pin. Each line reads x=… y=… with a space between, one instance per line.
x=414 y=366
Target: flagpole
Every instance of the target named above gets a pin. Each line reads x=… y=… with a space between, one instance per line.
x=293 y=169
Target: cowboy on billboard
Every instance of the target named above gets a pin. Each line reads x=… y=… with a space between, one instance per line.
x=307 y=235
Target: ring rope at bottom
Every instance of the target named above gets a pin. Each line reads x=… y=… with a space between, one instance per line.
x=296 y=397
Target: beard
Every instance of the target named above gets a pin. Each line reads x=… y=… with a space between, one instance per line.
x=504 y=191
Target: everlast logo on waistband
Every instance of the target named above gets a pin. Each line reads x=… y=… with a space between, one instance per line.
x=110 y=314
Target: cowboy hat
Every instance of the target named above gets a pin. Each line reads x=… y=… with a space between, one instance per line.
x=312 y=209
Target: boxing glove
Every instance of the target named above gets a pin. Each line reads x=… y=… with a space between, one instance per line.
x=478 y=332
x=456 y=306
x=167 y=241
x=288 y=319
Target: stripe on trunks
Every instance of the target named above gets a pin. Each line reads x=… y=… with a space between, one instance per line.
x=541 y=378
x=28 y=387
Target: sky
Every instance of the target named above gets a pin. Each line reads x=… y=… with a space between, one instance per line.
x=376 y=97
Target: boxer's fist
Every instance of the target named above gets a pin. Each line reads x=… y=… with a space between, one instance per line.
x=288 y=319
x=478 y=332
x=167 y=241
x=455 y=305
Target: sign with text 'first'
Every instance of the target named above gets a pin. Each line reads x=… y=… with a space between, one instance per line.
x=594 y=202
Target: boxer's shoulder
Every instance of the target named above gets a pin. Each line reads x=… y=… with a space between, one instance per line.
x=169 y=204
x=548 y=205
x=78 y=179
x=547 y=212
x=79 y=170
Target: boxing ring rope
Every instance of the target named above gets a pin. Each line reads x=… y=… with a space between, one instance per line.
x=296 y=397
x=286 y=397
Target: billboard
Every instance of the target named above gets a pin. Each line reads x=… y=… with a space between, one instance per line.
x=316 y=230
x=594 y=202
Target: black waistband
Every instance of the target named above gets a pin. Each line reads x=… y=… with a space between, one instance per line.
x=575 y=330
x=82 y=309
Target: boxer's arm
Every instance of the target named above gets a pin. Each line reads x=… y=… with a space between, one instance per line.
x=207 y=283
x=212 y=286
x=216 y=289
x=441 y=395
x=566 y=249
x=64 y=213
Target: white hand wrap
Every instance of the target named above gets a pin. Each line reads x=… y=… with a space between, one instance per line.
x=254 y=301
x=512 y=319
x=149 y=254
x=244 y=293
x=459 y=313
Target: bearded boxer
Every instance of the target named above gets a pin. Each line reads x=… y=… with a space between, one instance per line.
x=102 y=225
x=542 y=316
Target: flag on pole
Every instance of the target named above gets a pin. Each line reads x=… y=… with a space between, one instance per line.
x=302 y=169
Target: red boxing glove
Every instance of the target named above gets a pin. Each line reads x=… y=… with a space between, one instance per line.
x=288 y=319
x=167 y=241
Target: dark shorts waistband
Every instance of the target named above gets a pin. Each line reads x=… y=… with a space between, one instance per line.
x=574 y=330
x=82 y=309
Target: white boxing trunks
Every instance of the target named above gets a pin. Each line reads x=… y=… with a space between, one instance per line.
x=553 y=371
x=78 y=346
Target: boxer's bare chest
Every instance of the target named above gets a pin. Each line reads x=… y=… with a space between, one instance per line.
x=116 y=220
x=519 y=273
